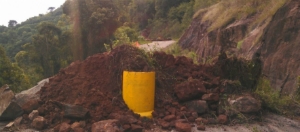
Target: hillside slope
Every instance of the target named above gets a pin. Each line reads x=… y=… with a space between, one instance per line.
x=271 y=32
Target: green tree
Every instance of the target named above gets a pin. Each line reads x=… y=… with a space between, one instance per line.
x=11 y=74
x=12 y=23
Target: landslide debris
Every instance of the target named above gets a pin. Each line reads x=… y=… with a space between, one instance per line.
x=91 y=91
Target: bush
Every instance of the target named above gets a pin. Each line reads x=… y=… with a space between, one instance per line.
x=272 y=99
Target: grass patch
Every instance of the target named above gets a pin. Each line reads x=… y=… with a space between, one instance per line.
x=272 y=99
x=239 y=44
x=226 y=11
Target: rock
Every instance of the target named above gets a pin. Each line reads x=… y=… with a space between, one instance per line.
x=201 y=127
x=64 y=127
x=199 y=106
x=245 y=104
x=189 y=89
x=38 y=123
x=74 y=111
x=211 y=97
x=18 y=121
x=169 y=118
x=33 y=114
x=183 y=127
x=201 y=121
x=222 y=119
x=31 y=94
x=164 y=124
x=31 y=105
x=75 y=125
x=9 y=109
x=136 y=128
x=105 y=126
x=126 y=127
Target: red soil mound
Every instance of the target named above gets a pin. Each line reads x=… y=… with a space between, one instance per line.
x=95 y=84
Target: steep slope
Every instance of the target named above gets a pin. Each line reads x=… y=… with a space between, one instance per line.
x=271 y=33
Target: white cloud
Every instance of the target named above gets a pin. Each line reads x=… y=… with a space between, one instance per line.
x=21 y=10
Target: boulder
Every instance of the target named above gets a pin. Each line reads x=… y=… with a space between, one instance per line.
x=199 y=106
x=105 y=126
x=189 y=89
x=9 y=109
x=38 y=123
x=31 y=93
x=245 y=104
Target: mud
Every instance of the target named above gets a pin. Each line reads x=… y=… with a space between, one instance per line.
x=95 y=84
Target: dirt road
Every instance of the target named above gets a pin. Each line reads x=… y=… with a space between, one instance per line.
x=156 y=45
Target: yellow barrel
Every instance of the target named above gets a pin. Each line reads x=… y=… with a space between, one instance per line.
x=138 y=92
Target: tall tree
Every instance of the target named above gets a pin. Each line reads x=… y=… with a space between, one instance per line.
x=12 y=23
x=51 y=9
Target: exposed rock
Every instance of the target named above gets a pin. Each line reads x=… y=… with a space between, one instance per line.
x=9 y=109
x=38 y=123
x=211 y=97
x=195 y=88
x=183 y=127
x=64 y=127
x=75 y=125
x=30 y=105
x=136 y=128
x=74 y=111
x=18 y=121
x=222 y=119
x=245 y=104
x=33 y=114
x=31 y=94
x=200 y=106
x=105 y=126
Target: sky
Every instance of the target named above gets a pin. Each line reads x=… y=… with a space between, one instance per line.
x=21 y=10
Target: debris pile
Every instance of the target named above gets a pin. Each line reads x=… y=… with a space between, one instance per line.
x=87 y=94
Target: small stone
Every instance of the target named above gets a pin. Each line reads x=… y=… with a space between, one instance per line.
x=201 y=121
x=33 y=115
x=195 y=115
x=222 y=119
x=38 y=123
x=172 y=110
x=64 y=127
x=183 y=127
x=211 y=97
x=126 y=127
x=201 y=127
x=170 y=118
x=75 y=125
x=136 y=128
x=164 y=124
x=191 y=119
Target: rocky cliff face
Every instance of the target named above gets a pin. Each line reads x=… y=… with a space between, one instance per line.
x=276 y=39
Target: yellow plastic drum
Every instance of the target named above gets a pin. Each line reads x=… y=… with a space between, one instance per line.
x=138 y=92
